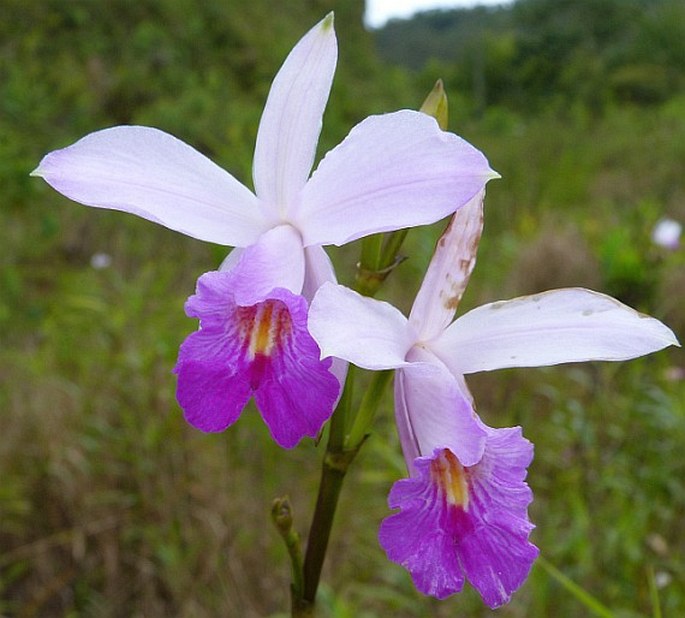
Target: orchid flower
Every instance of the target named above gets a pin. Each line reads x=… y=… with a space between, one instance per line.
x=463 y=511
x=392 y=171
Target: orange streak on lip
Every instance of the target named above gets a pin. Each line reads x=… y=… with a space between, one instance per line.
x=450 y=476
x=262 y=340
x=263 y=327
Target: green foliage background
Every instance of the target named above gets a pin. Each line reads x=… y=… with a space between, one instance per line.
x=111 y=506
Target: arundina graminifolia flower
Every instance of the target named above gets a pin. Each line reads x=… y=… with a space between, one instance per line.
x=392 y=171
x=463 y=511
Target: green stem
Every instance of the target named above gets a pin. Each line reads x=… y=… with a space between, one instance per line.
x=335 y=464
x=333 y=472
x=340 y=452
x=373 y=266
x=584 y=597
x=282 y=516
x=367 y=408
x=653 y=592
x=391 y=248
x=340 y=418
x=300 y=608
x=371 y=249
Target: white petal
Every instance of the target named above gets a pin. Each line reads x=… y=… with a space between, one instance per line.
x=408 y=438
x=152 y=174
x=275 y=261
x=367 y=332
x=560 y=326
x=291 y=121
x=318 y=270
x=392 y=171
x=432 y=412
x=231 y=259
x=449 y=271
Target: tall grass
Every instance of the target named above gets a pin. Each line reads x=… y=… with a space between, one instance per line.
x=110 y=505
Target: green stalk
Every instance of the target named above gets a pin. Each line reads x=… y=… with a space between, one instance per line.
x=391 y=248
x=654 y=592
x=340 y=452
x=339 y=421
x=333 y=472
x=367 y=278
x=335 y=464
x=371 y=251
x=282 y=516
x=584 y=597
x=367 y=408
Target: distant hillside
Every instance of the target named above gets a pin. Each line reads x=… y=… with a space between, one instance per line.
x=595 y=51
x=438 y=34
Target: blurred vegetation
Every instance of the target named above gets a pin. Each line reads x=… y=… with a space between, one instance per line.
x=111 y=506
x=536 y=54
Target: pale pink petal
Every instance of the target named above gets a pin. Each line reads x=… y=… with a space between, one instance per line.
x=432 y=411
x=276 y=260
x=367 y=332
x=405 y=429
x=152 y=174
x=231 y=259
x=449 y=271
x=392 y=171
x=560 y=326
x=291 y=121
x=318 y=270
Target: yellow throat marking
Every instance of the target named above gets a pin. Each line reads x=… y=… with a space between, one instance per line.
x=450 y=476
x=264 y=326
